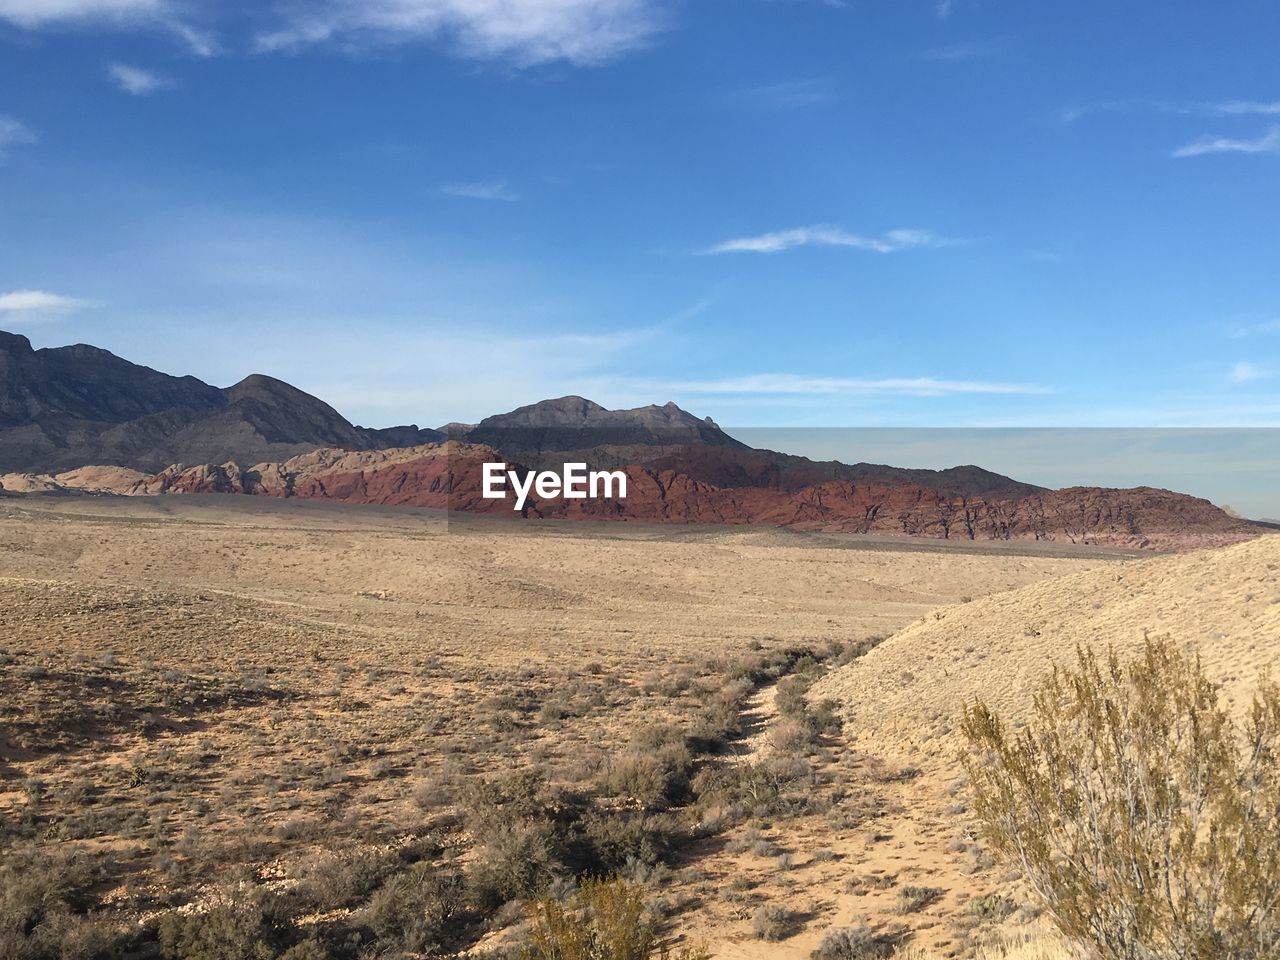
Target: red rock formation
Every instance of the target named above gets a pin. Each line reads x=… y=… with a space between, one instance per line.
x=449 y=476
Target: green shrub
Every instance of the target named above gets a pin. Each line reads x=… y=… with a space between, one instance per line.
x=1145 y=820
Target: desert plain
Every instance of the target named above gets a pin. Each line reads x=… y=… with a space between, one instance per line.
x=383 y=731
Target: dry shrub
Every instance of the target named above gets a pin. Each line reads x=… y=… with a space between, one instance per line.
x=854 y=943
x=654 y=770
x=792 y=738
x=237 y=927
x=1030 y=946
x=41 y=909
x=413 y=911
x=1145 y=820
x=606 y=920
x=912 y=899
x=517 y=860
x=774 y=922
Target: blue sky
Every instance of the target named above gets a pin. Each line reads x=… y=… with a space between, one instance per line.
x=774 y=212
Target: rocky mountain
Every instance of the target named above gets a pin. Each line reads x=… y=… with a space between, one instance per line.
x=747 y=467
x=574 y=429
x=449 y=476
x=666 y=438
x=80 y=418
x=67 y=407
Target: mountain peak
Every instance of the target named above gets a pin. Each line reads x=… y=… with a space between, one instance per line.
x=14 y=343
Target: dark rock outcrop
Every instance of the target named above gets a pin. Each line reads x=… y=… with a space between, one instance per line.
x=67 y=407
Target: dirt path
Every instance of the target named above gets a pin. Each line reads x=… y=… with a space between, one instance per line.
x=758 y=713
x=892 y=855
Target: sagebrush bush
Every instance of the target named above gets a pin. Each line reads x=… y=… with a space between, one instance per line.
x=517 y=860
x=654 y=770
x=912 y=899
x=235 y=928
x=853 y=943
x=773 y=922
x=622 y=838
x=412 y=912
x=41 y=909
x=606 y=920
x=1145 y=819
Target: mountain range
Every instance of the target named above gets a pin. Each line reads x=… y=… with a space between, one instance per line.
x=65 y=407
x=79 y=417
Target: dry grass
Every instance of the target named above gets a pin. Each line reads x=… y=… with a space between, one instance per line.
x=1027 y=947
x=316 y=720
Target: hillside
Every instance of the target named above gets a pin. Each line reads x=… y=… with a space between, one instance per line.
x=906 y=694
x=68 y=407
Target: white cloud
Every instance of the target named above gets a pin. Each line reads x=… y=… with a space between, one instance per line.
x=1269 y=142
x=31 y=306
x=135 y=80
x=1249 y=108
x=39 y=13
x=42 y=14
x=481 y=190
x=943 y=9
x=822 y=236
x=790 y=383
x=1244 y=372
x=528 y=31
x=201 y=42
x=13 y=134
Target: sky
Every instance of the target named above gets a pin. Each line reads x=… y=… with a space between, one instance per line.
x=779 y=213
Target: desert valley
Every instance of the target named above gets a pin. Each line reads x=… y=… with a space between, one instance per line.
x=274 y=685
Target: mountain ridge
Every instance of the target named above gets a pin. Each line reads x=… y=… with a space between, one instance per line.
x=81 y=418
x=80 y=405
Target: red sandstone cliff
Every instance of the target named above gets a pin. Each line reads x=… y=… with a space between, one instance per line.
x=449 y=476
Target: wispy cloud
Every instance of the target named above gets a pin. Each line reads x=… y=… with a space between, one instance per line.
x=964 y=51
x=1255 y=329
x=529 y=32
x=800 y=384
x=32 y=306
x=822 y=236
x=943 y=9
x=39 y=13
x=14 y=133
x=120 y=14
x=1079 y=111
x=482 y=190
x=1200 y=108
x=1249 y=108
x=136 y=80
x=787 y=94
x=1269 y=142
x=1244 y=372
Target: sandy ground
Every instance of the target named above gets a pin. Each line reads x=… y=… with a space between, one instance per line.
x=390 y=634
x=1224 y=603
